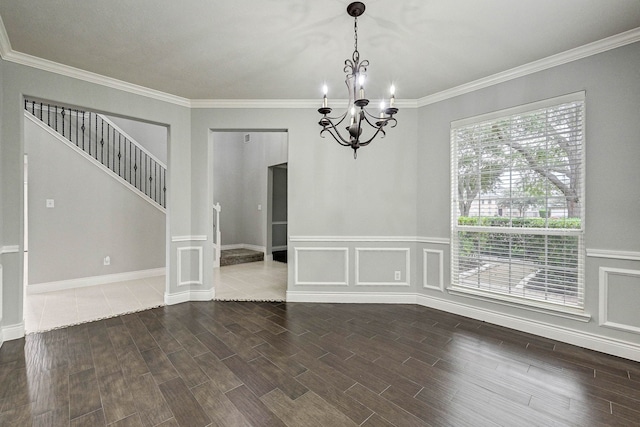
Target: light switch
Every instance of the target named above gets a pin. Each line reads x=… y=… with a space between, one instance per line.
x=259 y=207
x=50 y=203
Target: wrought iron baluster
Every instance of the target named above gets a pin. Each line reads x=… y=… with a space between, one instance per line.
x=41 y=112
x=101 y=143
x=83 y=130
x=33 y=108
x=129 y=162
x=119 y=155
x=56 y=118
x=62 y=113
x=48 y=115
x=77 y=119
x=90 y=133
x=135 y=167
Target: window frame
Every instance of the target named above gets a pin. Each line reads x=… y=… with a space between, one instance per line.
x=456 y=288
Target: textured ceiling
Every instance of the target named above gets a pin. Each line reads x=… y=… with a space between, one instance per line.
x=286 y=49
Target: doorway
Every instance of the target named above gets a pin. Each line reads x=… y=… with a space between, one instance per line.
x=245 y=187
x=95 y=241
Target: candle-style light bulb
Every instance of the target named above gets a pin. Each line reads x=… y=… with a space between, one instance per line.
x=392 y=100
x=382 y=109
x=325 y=101
x=353 y=115
x=361 y=82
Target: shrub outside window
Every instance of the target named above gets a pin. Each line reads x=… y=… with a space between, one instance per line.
x=518 y=203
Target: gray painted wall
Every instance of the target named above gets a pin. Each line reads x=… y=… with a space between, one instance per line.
x=240 y=172
x=151 y=136
x=94 y=216
x=612 y=84
x=18 y=81
x=399 y=186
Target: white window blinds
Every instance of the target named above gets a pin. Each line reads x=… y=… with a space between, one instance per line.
x=518 y=202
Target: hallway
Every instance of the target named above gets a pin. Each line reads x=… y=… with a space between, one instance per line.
x=256 y=281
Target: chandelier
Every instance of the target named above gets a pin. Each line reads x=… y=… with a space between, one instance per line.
x=356 y=70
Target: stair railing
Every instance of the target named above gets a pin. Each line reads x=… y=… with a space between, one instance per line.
x=96 y=135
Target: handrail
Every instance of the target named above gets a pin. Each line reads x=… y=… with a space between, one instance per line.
x=126 y=135
x=114 y=149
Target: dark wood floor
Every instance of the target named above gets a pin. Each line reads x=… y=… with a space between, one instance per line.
x=274 y=364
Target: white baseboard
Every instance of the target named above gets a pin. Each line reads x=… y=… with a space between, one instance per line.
x=352 y=297
x=11 y=332
x=243 y=246
x=192 y=295
x=608 y=345
x=83 y=282
x=616 y=347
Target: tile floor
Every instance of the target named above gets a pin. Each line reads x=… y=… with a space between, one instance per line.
x=264 y=280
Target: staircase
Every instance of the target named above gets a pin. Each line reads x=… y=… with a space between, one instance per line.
x=239 y=256
x=108 y=145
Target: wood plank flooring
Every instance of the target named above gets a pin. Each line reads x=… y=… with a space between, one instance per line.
x=293 y=364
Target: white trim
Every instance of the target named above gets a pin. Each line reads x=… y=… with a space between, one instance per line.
x=180 y=251
x=580 y=52
x=530 y=305
x=198 y=238
x=38 y=288
x=434 y=240
x=571 y=55
x=523 y=108
x=401 y=239
x=607 y=345
x=352 y=297
x=296 y=269
x=87 y=76
x=278 y=222
x=12 y=332
x=185 y=296
x=440 y=253
x=611 y=254
x=5 y=44
x=286 y=103
x=279 y=248
x=407 y=257
x=93 y=161
x=9 y=249
x=603 y=318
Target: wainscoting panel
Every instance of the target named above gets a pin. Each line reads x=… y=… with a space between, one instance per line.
x=190 y=266
x=383 y=266
x=619 y=296
x=321 y=266
x=433 y=269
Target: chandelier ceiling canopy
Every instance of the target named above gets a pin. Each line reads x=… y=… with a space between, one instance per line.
x=359 y=118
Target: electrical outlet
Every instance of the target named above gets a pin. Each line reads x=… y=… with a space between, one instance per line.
x=259 y=207
x=107 y=260
x=397 y=275
x=50 y=203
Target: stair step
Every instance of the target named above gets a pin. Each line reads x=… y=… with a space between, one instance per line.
x=239 y=256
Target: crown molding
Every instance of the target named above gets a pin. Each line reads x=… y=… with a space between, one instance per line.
x=619 y=40
x=284 y=103
x=590 y=49
x=88 y=76
x=5 y=45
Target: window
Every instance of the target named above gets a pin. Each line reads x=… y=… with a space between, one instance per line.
x=530 y=161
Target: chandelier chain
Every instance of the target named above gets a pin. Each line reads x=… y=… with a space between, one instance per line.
x=355 y=33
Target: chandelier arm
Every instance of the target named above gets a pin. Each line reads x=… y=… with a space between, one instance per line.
x=333 y=134
x=367 y=142
x=333 y=131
